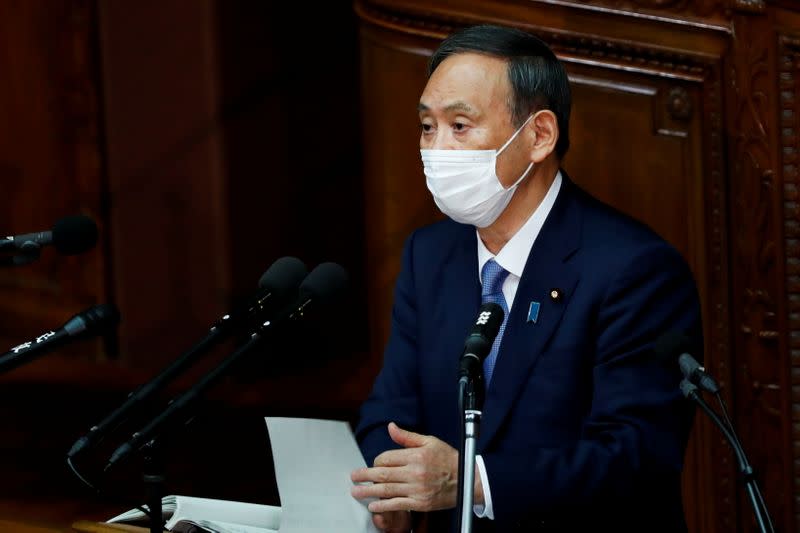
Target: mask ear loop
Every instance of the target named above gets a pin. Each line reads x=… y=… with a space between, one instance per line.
x=515 y=135
x=530 y=166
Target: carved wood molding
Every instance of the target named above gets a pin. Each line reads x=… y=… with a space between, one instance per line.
x=757 y=280
x=789 y=93
x=701 y=8
x=749 y=6
x=570 y=47
x=718 y=311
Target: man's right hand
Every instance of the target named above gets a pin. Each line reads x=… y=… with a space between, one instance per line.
x=393 y=521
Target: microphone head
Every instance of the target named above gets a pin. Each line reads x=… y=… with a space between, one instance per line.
x=688 y=388
x=327 y=283
x=94 y=320
x=74 y=235
x=688 y=365
x=490 y=318
x=484 y=331
x=283 y=277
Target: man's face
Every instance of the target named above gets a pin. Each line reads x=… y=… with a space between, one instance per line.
x=465 y=106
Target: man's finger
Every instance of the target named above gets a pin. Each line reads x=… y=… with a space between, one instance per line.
x=393 y=504
x=395 y=457
x=406 y=439
x=380 y=474
x=380 y=490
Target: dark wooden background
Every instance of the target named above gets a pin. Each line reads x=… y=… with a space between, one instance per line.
x=209 y=138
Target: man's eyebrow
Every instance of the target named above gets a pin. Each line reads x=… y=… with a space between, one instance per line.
x=455 y=106
x=460 y=106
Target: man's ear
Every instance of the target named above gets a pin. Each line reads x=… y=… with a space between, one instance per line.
x=543 y=127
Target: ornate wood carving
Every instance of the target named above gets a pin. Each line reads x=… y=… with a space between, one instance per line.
x=718 y=310
x=757 y=271
x=569 y=46
x=679 y=105
x=789 y=98
x=751 y=6
x=702 y=8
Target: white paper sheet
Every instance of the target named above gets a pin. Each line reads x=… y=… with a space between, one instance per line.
x=313 y=461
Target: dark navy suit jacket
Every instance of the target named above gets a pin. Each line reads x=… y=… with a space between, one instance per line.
x=583 y=427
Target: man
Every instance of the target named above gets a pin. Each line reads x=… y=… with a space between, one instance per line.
x=583 y=428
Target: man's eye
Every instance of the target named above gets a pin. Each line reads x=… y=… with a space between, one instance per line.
x=426 y=128
x=459 y=126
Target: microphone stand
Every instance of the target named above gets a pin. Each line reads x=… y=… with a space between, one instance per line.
x=745 y=470
x=153 y=477
x=471 y=402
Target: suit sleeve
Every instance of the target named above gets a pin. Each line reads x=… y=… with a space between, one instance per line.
x=638 y=424
x=395 y=394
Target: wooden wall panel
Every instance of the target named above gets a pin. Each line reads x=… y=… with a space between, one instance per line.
x=50 y=162
x=398 y=201
x=168 y=210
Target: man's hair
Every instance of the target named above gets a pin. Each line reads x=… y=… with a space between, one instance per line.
x=538 y=79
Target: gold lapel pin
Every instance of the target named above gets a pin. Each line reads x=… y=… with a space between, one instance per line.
x=555 y=295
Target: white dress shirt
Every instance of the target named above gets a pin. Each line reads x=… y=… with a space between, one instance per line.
x=512 y=257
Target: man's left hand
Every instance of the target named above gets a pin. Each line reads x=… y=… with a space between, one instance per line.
x=423 y=476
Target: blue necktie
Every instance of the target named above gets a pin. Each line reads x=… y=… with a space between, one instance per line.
x=492 y=278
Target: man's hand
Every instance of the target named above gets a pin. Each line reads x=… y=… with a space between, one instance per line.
x=423 y=476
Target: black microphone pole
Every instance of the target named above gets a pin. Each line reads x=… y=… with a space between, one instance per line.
x=763 y=519
x=323 y=284
x=281 y=279
x=92 y=321
x=185 y=400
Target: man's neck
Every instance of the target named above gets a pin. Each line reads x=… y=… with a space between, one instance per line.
x=526 y=199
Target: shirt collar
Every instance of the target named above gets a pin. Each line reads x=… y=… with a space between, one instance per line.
x=513 y=256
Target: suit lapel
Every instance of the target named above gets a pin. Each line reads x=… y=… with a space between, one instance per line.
x=546 y=269
x=461 y=295
x=457 y=301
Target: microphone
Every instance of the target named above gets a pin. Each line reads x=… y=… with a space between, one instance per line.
x=470 y=402
x=324 y=285
x=479 y=341
x=760 y=511
x=70 y=236
x=672 y=343
x=277 y=286
x=696 y=378
x=93 y=321
x=696 y=374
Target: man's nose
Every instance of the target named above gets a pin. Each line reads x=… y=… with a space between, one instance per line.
x=443 y=141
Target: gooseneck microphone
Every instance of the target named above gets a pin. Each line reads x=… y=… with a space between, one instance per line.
x=277 y=286
x=95 y=320
x=760 y=510
x=70 y=236
x=672 y=343
x=324 y=285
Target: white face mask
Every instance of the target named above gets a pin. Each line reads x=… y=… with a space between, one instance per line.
x=464 y=183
